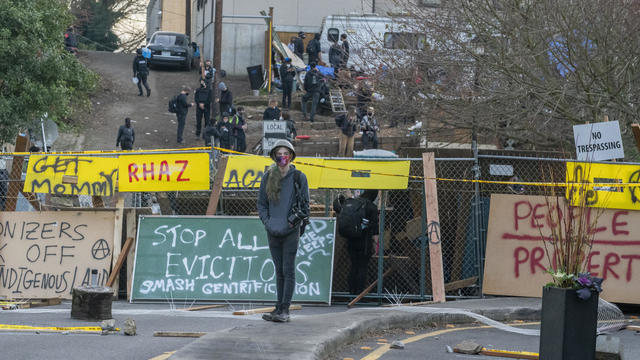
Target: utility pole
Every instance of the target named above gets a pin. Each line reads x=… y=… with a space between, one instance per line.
x=217 y=37
x=187 y=18
x=270 y=51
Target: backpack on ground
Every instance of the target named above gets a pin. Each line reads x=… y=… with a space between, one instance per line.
x=350 y=218
x=173 y=105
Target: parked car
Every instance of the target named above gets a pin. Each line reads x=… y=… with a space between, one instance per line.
x=171 y=49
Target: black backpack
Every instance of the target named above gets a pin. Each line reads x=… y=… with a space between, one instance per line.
x=127 y=136
x=350 y=218
x=173 y=105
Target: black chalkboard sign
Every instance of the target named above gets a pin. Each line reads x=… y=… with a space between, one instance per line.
x=225 y=258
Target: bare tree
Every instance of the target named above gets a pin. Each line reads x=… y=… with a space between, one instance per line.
x=520 y=71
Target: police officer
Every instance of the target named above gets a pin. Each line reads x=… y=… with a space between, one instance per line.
x=203 y=100
x=141 y=70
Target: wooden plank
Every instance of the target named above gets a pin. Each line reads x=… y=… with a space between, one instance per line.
x=433 y=227
x=121 y=258
x=264 y=310
x=117 y=236
x=635 y=129
x=509 y=354
x=633 y=327
x=193 y=334
x=459 y=284
x=15 y=177
x=369 y=288
x=204 y=307
x=217 y=186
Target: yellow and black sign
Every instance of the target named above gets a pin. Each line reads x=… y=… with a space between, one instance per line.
x=165 y=172
x=603 y=185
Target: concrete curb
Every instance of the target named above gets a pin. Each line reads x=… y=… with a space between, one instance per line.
x=317 y=337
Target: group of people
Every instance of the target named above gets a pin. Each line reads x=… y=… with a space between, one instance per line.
x=353 y=122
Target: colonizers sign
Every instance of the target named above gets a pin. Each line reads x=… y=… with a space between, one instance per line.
x=598 y=141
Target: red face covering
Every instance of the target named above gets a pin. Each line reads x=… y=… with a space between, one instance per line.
x=282 y=161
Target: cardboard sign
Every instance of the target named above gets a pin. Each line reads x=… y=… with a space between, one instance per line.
x=516 y=261
x=598 y=141
x=163 y=172
x=46 y=254
x=92 y=175
x=246 y=172
x=603 y=195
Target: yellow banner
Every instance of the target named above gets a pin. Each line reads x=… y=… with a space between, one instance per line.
x=603 y=195
x=246 y=172
x=83 y=175
x=163 y=172
x=365 y=174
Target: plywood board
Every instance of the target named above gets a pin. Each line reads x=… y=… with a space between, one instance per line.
x=46 y=254
x=516 y=261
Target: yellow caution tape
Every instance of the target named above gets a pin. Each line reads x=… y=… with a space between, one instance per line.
x=509 y=352
x=52 y=328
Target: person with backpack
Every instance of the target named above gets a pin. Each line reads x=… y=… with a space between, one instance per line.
x=312 y=85
x=203 y=99
x=126 y=136
x=141 y=71
x=283 y=207
x=358 y=222
x=313 y=49
x=180 y=106
x=348 y=125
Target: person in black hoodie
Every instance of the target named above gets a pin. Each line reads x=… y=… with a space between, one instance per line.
x=141 y=70
x=203 y=100
x=299 y=44
x=312 y=86
x=226 y=98
x=272 y=112
x=313 y=49
x=287 y=73
x=126 y=135
x=183 y=109
x=225 y=129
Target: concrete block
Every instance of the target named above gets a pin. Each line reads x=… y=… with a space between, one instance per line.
x=609 y=348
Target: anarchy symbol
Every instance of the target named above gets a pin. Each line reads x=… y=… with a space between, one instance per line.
x=100 y=249
x=433 y=232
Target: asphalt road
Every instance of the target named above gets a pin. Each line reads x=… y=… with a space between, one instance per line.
x=431 y=344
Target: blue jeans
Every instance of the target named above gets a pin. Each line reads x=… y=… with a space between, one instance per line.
x=283 y=252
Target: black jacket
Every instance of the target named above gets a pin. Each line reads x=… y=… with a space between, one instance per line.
x=299 y=47
x=287 y=73
x=225 y=129
x=203 y=96
x=348 y=128
x=126 y=136
x=312 y=81
x=271 y=114
x=140 y=65
x=183 y=104
x=335 y=55
x=345 y=52
x=313 y=47
x=373 y=228
x=226 y=100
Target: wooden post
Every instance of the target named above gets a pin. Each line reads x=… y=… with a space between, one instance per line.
x=123 y=256
x=433 y=227
x=217 y=186
x=117 y=235
x=217 y=38
x=635 y=129
x=270 y=53
x=369 y=288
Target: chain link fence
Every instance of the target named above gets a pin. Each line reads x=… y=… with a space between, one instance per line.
x=404 y=236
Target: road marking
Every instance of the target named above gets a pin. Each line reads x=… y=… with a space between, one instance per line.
x=163 y=356
x=377 y=353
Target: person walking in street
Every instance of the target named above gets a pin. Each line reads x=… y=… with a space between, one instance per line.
x=283 y=207
x=360 y=230
x=312 y=86
x=272 y=112
x=348 y=125
x=369 y=127
x=239 y=126
x=313 y=49
x=299 y=45
x=203 y=100
x=226 y=98
x=345 y=51
x=141 y=71
x=126 y=136
x=182 y=109
x=287 y=74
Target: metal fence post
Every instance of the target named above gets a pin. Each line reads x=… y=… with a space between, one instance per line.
x=327 y=202
x=476 y=211
x=381 y=246
x=423 y=245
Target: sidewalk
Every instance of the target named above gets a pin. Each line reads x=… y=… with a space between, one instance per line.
x=316 y=336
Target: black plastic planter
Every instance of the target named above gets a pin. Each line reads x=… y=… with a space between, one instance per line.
x=568 y=329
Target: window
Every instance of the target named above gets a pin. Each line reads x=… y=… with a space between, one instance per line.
x=333 y=34
x=404 y=41
x=169 y=40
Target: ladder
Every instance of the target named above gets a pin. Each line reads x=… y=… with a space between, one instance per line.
x=337 y=101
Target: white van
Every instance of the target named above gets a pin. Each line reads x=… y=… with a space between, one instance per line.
x=369 y=32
